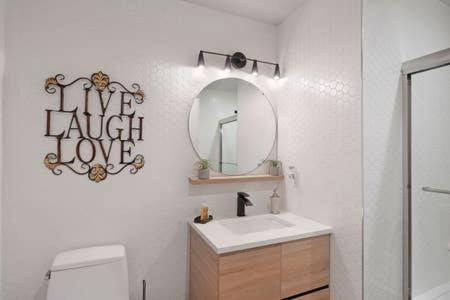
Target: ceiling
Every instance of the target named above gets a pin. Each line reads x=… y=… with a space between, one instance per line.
x=446 y=2
x=267 y=11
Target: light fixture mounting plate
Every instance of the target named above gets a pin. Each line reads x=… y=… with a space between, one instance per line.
x=238 y=60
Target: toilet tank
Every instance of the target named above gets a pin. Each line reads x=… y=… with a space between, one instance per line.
x=97 y=273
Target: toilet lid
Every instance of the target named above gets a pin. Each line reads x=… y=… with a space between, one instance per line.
x=88 y=257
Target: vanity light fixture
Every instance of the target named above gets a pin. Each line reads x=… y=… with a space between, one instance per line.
x=276 y=74
x=228 y=64
x=201 y=60
x=238 y=60
x=255 y=68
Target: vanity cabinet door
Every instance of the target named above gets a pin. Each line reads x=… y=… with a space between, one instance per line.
x=320 y=295
x=305 y=265
x=250 y=274
x=203 y=270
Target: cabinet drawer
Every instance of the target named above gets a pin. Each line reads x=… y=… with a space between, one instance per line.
x=305 y=266
x=250 y=274
x=320 y=295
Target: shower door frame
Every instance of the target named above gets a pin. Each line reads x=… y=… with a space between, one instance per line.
x=422 y=64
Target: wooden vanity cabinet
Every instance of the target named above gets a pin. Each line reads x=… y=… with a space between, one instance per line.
x=305 y=265
x=319 y=295
x=204 y=271
x=250 y=274
x=265 y=273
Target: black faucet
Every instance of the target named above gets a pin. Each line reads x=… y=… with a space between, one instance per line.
x=242 y=202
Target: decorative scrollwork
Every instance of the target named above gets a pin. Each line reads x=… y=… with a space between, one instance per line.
x=57 y=81
x=50 y=81
x=140 y=95
x=51 y=162
x=100 y=80
x=138 y=163
x=97 y=173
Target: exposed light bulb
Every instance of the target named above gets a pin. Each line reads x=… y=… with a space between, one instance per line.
x=255 y=68
x=228 y=64
x=277 y=73
x=201 y=60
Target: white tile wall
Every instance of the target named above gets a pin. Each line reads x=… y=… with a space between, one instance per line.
x=382 y=157
x=154 y=43
x=320 y=128
x=394 y=31
x=2 y=65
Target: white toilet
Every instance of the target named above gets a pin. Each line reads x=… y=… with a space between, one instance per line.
x=98 y=273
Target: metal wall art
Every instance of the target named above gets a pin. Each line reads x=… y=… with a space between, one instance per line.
x=96 y=128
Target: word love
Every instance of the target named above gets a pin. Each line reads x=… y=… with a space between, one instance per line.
x=94 y=126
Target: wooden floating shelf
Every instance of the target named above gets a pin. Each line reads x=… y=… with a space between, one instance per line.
x=234 y=179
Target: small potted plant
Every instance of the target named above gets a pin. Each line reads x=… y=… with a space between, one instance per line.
x=203 y=168
x=274 y=167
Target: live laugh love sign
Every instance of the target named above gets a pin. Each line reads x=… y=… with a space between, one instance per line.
x=95 y=126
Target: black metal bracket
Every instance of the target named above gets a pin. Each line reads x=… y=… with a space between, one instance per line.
x=239 y=61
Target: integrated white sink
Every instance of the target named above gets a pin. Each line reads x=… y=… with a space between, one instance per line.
x=244 y=225
x=228 y=235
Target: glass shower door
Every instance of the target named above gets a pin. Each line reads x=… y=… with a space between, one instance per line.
x=430 y=185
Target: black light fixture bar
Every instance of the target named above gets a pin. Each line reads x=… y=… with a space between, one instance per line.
x=214 y=53
x=250 y=59
x=263 y=62
x=238 y=61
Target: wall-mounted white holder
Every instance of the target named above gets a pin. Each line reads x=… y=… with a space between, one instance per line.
x=292 y=173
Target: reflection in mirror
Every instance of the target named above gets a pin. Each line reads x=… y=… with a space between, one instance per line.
x=233 y=125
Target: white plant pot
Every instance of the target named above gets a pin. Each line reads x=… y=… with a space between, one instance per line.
x=203 y=174
x=274 y=171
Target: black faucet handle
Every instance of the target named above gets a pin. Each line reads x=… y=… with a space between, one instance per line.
x=243 y=194
x=242 y=202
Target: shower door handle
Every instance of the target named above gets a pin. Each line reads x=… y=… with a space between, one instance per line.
x=434 y=190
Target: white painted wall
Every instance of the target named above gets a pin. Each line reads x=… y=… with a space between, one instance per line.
x=409 y=29
x=320 y=128
x=154 y=43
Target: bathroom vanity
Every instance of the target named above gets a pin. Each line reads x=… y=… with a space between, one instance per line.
x=265 y=257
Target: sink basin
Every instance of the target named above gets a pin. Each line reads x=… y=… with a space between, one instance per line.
x=235 y=234
x=243 y=225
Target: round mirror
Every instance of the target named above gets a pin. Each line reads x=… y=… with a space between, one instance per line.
x=233 y=125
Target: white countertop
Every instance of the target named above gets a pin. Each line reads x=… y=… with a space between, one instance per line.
x=224 y=240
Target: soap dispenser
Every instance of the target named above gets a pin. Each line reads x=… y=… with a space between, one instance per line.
x=275 y=203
